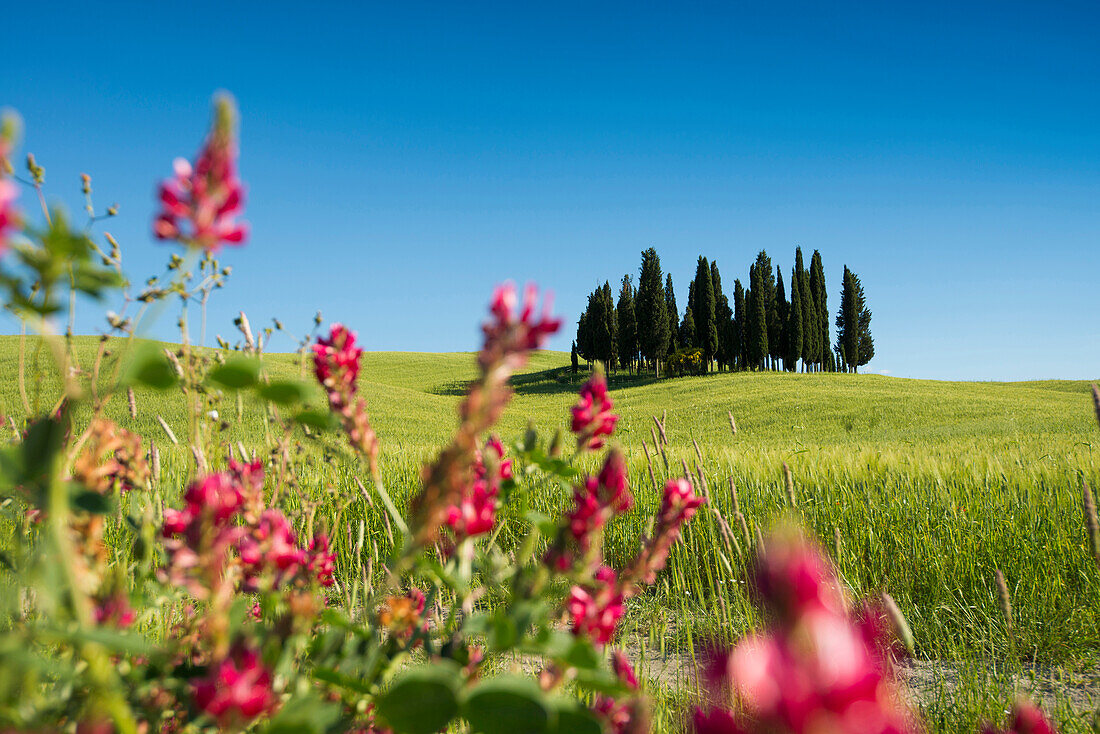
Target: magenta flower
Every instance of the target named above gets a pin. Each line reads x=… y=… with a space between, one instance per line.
x=9 y=216
x=510 y=336
x=475 y=513
x=336 y=360
x=1027 y=718
x=592 y=416
x=114 y=610
x=597 y=609
x=815 y=670
x=200 y=202
x=269 y=552
x=336 y=365
x=618 y=716
x=678 y=504
x=236 y=690
x=595 y=501
x=322 y=562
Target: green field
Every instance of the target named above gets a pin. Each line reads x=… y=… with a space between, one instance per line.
x=929 y=486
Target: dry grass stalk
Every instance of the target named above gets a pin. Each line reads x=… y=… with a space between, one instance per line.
x=1089 y=506
x=132 y=401
x=836 y=544
x=901 y=626
x=649 y=465
x=790 y=485
x=168 y=431
x=733 y=423
x=1005 y=599
x=1096 y=402
x=733 y=496
x=744 y=529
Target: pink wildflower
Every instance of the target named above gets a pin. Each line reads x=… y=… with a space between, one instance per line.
x=200 y=203
x=1027 y=718
x=269 y=552
x=508 y=336
x=236 y=690
x=475 y=513
x=592 y=416
x=322 y=562
x=678 y=504
x=617 y=715
x=595 y=501
x=114 y=610
x=336 y=365
x=9 y=216
x=815 y=670
x=597 y=609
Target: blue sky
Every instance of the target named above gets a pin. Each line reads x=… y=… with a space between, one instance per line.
x=402 y=158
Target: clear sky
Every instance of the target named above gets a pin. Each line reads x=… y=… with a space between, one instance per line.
x=401 y=158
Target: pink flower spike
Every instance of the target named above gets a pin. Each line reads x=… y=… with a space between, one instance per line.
x=200 y=202
x=236 y=690
x=592 y=416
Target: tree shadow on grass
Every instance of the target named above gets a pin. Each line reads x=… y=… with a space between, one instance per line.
x=554 y=381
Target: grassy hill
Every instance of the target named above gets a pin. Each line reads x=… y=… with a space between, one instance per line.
x=918 y=487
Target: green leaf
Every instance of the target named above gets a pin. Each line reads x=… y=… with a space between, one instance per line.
x=573 y=718
x=305 y=715
x=600 y=681
x=321 y=420
x=283 y=392
x=423 y=700
x=150 y=367
x=236 y=374
x=89 y=501
x=507 y=705
x=547 y=527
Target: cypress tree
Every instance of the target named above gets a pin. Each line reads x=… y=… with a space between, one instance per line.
x=779 y=347
x=757 y=316
x=821 y=310
x=628 y=325
x=764 y=289
x=653 y=324
x=855 y=345
x=740 y=314
x=673 y=314
x=706 y=328
x=585 y=342
x=723 y=317
x=808 y=315
x=847 y=324
x=611 y=351
x=687 y=327
x=573 y=358
x=794 y=323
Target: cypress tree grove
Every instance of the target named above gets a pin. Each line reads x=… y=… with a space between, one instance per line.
x=740 y=314
x=628 y=325
x=653 y=324
x=673 y=314
x=794 y=323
